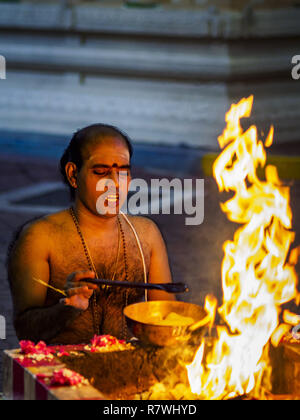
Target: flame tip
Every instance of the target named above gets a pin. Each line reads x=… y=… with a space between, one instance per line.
x=256 y=279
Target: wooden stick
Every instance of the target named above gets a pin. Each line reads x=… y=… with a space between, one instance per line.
x=49 y=286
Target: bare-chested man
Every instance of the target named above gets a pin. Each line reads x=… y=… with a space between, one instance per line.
x=64 y=248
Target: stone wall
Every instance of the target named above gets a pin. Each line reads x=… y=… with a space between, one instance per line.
x=166 y=76
x=205 y=21
x=199 y=4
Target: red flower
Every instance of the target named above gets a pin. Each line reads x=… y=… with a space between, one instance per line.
x=104 y=341
x=42 y=377
x=62 y=377
x=28 y=347
x=62 y=353
x=66 y=377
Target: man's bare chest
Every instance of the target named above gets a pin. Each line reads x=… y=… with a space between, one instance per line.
x=112 y=258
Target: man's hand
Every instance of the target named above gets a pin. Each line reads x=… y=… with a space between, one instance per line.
x=79 y=293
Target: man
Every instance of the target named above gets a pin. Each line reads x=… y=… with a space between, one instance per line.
x=66 y=249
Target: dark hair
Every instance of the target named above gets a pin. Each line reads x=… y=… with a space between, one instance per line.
x=81 y=138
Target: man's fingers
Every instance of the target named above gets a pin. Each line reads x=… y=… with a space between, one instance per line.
x=77 y=279
x=72 y=285
x=80 y=291
x=79 y=275
x=75 y=301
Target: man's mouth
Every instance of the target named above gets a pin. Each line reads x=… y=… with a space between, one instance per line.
x=112 y=199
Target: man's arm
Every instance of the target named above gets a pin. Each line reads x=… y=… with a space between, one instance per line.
x=159 y=270
x=37 y=324
x=29 y=259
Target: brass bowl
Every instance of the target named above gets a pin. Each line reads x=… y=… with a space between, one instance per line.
x=141 y=317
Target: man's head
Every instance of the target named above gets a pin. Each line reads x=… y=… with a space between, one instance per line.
x=95 y=153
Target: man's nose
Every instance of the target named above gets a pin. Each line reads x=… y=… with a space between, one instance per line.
x=114 y=176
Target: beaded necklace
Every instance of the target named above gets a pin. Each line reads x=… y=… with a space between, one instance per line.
x=92 y=267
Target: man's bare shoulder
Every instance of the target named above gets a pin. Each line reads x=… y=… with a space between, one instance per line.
x=141 y=221
x=45 y=226
x=146 y=227
x=36 y=237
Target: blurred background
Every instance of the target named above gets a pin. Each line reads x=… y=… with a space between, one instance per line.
x=165 y=72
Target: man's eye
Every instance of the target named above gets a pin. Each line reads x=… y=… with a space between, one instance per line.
x=101 y=173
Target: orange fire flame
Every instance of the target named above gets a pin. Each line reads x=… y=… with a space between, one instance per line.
x=256 y=277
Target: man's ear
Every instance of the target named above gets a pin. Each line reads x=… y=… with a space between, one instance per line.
x=71 y=172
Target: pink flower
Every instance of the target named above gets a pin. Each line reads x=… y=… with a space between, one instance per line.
x=66 y=377
x=28 y=347
x=62 y=353
x=104 y=340
x=61 y=377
